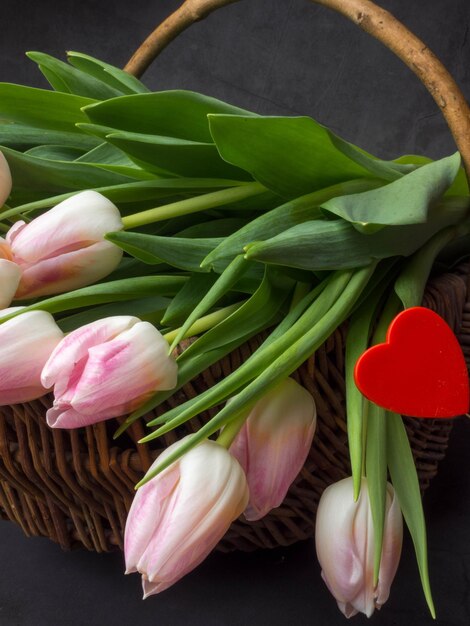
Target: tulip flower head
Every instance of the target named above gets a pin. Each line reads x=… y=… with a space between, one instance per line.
x=64 y=248
x=344 y=538
x=10 y=275
x=179 y=516
x=26 y=341
x=5 y=180
x=273 y=444
x=105 y=369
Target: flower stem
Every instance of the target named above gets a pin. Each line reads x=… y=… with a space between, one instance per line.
x=205 y=323
x=193 y=205
x=231 y=430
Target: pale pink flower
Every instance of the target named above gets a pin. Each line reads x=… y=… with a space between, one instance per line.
x=64 y=248
x=179 y=516
x=26 y=343
x=105 y=369
x=344 y=539
x=5 y=180
x=273 y=444
x=10 y=274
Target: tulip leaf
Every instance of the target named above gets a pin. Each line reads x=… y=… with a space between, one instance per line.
x=293 y=156
x=207 y=300
x=22 y=136
x=188 y=298
x=41 y=108
x=279 y=219
x=103 y=293
x=55 y=153
x=68 y=79
x=403 y=201
x=107 y=74
x=180 y=114
x=107 y=154
x=405 y=481
x=376 y=472
x=149 y=309
x=314 y=245
x=411 y=283
x=163 y=155
x=36 y=177
x=180 y=252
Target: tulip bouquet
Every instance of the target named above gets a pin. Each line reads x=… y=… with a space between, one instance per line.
x=133 y=220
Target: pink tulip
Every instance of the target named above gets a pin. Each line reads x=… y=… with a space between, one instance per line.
x=5 y=180
x=64 y=248
x=10 y=274
x=105 y=369
x=273 y=444
x=179 y=516
x=26 y=343
x=345 y=547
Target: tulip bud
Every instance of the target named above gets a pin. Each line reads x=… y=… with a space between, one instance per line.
x=179 y=516
x=64 y=248
x=105 y=369
x=5 y=180
x=26 y=343
x=273 y=444
x=10 y=274
x=344 y=539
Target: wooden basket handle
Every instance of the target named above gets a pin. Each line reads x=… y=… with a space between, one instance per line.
x=374 y=20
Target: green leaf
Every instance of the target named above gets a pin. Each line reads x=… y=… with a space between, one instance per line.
x=336 y=244
x=403 y=201
x=55 y=153
x=405 y=481
x=188 y=298
x=293 y=156
x=41 y=108
x=102 y=293
x=108 y=74
x=183 y=253
x=149 y=309
x=181 y=114
x=107 y=154
x=376 y=472
x=20 y=136
x=411 y=283
x=68 y=79
x=282 y=218
x=165 y=155
x=222 y=285
x=36 y=177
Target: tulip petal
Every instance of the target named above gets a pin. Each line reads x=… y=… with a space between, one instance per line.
x=27 y=342
x=119 y=373
x=74 y=347
x=85 y=217
x=10 y=275
x=68 y=270
x=5 y=179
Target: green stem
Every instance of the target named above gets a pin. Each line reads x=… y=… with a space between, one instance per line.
x=231 y=430
x=193 y=205
x=205 y=323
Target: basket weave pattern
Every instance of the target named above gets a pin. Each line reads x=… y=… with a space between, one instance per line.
x=76 y=486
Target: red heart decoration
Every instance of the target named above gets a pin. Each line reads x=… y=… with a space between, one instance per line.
x=419 y=371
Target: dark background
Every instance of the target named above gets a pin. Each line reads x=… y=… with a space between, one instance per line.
x=281 y=57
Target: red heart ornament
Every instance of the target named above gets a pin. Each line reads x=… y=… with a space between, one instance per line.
x=420 y=371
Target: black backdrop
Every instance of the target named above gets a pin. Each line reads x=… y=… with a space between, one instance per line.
x=281 y=57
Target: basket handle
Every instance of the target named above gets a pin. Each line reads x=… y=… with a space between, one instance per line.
x=374 y=20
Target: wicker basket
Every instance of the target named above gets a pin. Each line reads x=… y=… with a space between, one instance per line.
x=76 y=486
